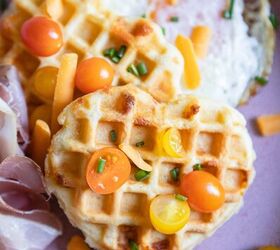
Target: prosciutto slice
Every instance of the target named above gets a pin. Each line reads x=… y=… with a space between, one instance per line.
x=24 y=211
x=12 y=93
x=8 y=132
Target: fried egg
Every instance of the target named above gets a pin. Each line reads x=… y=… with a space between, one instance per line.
x=232 y=59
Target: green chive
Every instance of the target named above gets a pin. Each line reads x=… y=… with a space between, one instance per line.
x=180 y=197
x=133 y=70
x=101 y=165
x=113 y=135
x=163 y=31
x=197 y=167
x=140 y=144
x=274 y=21
x=121 y=51
x=228 y=14
x=109 y=52
x=174 y=19
x=261 y=80
x=174 y=173
x=142 y=69
x=141 y=175
x=133 y=245
x=144 y=15
x=115 y=59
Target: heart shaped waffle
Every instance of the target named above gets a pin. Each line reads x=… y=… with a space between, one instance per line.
x=88 y=31
x=212 y=134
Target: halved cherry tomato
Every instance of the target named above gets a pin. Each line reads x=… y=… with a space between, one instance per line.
x=45 y=81
x=93 y=74
x=204 y=191
x=168 y=214
x=42 y=36
x=114 y=174
x=172 y=143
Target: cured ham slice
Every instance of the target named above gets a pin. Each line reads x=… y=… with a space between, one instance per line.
x=12 y=93
x=8 y=132
x=24 y=210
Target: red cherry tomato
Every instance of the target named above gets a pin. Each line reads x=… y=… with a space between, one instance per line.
x=204 y=191
x=42 y=36
x=93 y=74
x=114 y=174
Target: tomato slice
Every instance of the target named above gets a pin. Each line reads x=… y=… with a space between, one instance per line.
x=168 y=214
x=114 y=174
x=204 y=191
x=172 y=143
x=42 y=36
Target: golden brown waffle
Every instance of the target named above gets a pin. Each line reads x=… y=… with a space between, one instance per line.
x=216 y=137
x=89 y=30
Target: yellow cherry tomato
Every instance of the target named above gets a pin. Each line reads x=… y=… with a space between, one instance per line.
x=172 y=143
x=45 y=81
x=269 y=248
x=168 y=214
x=42 y=112
x=158 y=148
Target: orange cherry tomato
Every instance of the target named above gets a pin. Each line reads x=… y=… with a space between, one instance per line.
x=93 y=74
x=204 y=191
x=42 y=36
x=107 y=170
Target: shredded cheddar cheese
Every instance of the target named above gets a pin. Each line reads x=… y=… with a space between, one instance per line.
x=172 y=2
x=135 y=157
x=77 y=243
x=40 y=143
x=64 y=89
x=192 y=77
x=269 y=124
x=201 y=36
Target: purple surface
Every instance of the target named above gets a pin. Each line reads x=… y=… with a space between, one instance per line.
x=258 y=222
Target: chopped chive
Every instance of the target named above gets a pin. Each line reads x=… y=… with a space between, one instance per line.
x=115 y=59
x=101 y=165
x=121 y=51
x=140 y=144
x=174 y=19
x=113 y=135
x=274 y=21
x=197 y=167
x=163 y=31
x=142 y=69
x=174 y=173
x=144 y=15
x=133 y=70
x=228 y=14
x=109 y=52
x=180 y=197
x=133 y=245
x=261 y=80
x=141 y=175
